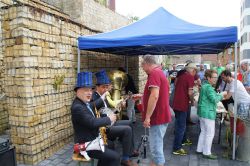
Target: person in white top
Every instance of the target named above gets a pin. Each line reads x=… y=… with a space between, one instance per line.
x=242 y=95
x=243 y=112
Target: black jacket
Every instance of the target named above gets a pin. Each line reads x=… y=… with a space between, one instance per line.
x=96 y=98
x=85 y=124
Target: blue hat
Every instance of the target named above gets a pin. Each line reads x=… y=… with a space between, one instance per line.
x=102 y=78
x=84 y=79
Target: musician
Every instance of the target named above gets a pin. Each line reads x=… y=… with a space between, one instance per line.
x=86 y=124
x=121 y=128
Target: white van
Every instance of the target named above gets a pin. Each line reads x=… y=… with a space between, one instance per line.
x=182 y=65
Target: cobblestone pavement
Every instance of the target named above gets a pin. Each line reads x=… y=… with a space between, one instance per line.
x=63 y=156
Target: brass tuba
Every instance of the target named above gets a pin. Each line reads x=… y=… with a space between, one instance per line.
x=119 y=80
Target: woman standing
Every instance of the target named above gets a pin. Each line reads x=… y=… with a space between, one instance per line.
x=207 y=104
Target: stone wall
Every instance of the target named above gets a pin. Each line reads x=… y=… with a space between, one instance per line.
x=142 y=77
x=3 y=111
x=91 y=14
x=40 y=59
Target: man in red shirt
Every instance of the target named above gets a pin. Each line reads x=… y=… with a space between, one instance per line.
x=182 y=98
x=156 y=110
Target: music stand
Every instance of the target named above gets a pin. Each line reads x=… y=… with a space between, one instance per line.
x=142 y=147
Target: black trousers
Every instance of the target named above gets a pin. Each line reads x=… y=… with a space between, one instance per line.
x=107 y=158
x=127 y=123
x=124 y=133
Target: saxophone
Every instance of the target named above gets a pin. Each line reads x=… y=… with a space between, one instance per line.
x=102 y=130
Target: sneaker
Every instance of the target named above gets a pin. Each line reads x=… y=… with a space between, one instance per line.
x=187 y=142
x=211 y=156
x=181 y=152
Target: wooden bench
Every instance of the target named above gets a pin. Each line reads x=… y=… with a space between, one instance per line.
x=80 y=159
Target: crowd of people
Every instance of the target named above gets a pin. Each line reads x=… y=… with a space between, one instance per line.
x=213 y=85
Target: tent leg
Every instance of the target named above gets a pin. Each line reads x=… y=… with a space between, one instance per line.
x=78 y=61
x=235 y=98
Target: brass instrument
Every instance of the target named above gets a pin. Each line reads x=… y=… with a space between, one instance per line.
x=102 y=130
x=119 y=80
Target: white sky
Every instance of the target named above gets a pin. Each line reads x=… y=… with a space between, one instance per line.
x=217 y=13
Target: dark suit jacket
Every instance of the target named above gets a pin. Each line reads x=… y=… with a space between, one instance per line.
x=85 y=124
x=96 y=98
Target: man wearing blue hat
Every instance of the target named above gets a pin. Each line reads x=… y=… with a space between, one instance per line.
x=121 y=129
x=85 y=123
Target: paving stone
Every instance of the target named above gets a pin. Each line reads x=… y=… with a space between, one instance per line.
x=57 y=161
x=193 y=160
x=67 y=161
x=213 y=163
x=72 y=163
x=55 y=156
x=60 y=152
x=44 y=163
x=62 y=164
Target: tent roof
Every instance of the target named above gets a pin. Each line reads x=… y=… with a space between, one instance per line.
x=161 y=33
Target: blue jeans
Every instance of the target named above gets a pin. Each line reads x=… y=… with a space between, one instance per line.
x=180 y=129
x=156 y=135
x=172 y=87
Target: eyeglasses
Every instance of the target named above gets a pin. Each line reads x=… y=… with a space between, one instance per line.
x=214 y=77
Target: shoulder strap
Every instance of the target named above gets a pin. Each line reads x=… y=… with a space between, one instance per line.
x=224 y=86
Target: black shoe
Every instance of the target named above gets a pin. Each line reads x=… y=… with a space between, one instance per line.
x=135 y=153
x=191 y=123
x=199 y=153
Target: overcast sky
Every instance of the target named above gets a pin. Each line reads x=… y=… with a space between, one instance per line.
x=202 y=12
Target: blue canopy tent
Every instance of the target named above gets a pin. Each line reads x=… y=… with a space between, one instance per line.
x=162 y=33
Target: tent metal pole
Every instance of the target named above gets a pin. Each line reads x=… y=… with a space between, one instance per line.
x=78 y=60
x=235 y=96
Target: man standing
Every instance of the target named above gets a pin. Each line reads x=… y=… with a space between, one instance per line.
x=164 y=69
x=182 y=98
x=201 y=72
x=246 y=76
x=86 y=124
x=219 y=68
x=172 y=75
x=156 y=110
x=130 y=87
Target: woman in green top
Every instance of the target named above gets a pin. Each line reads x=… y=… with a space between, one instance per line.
x=207 y=104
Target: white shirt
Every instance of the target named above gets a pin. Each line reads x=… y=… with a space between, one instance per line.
x=242 y=95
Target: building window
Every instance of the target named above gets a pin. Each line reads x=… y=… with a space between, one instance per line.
x=246 y=54
x=247 y=3
x=245 y=21
x=243 y=38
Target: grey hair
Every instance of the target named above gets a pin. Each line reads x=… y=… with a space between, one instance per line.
x=151 y=59
x=189 y=69
x=244 y=63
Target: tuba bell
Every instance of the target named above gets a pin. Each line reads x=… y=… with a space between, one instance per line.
x=119 y=80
